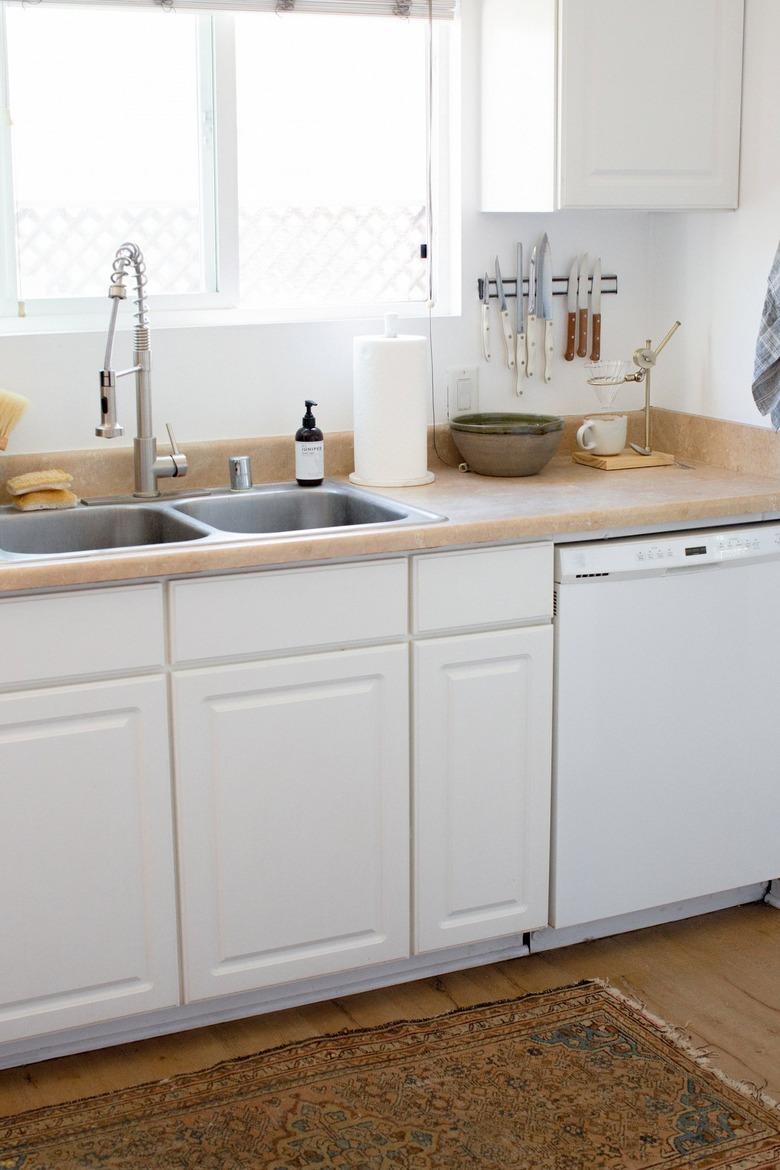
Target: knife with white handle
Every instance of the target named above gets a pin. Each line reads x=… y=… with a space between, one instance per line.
x=486 y=318
x=546 y=285
x=582 y=303
x=531 y=315
x=595 y=308
x=520 y=324
x=506 y=324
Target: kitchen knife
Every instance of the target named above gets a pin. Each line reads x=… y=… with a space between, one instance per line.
x=506 y=324
x=531 y=334
x=582 y=303
x=546 y=292
x=571 y=314
x=486 y=318
x=520 y=323
x=595 y=308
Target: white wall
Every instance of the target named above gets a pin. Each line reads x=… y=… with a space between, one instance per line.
x=710 y=268
x=225 y=381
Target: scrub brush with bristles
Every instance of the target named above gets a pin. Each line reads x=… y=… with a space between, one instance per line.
x=12 y=407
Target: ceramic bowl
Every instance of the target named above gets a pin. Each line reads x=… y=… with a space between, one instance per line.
x=507 y=444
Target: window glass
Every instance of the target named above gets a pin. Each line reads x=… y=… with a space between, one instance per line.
x=331 y=159
x=106 y=147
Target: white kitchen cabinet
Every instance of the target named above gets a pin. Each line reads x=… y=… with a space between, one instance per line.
x=483 y=718
x=611 y=104
x=292 y=780
x=87 y=889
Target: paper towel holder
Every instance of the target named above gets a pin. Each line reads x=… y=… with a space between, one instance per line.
x=380 y=479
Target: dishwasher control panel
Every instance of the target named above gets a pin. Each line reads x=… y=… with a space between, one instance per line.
x=669 y=553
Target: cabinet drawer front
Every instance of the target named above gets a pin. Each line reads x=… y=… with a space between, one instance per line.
x=483 y=587
x=290 y=609
x=293 y=809
x=66 y=635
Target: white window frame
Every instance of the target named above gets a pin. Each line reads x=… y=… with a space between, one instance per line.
x=219 y=202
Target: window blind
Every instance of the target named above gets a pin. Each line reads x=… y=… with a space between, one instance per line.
x=416 y=9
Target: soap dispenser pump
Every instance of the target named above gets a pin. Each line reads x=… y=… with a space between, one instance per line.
x=309 y=450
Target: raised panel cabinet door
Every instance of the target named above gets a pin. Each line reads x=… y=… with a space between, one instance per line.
x=87 y=888
x=482 y=787
x=292 y=782
x=650 y=101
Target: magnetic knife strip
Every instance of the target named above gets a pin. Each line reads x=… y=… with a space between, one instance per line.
x=609 y=286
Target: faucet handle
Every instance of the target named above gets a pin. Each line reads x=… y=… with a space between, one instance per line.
x=175 y=450
x=178 y=457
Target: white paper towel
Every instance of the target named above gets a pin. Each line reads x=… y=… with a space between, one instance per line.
x=391 y=410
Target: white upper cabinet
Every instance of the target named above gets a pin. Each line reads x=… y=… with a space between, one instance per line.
x=611 y=104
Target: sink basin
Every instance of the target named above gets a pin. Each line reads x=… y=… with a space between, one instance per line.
x=216 y=517
x=92 y=529
x=286 y=508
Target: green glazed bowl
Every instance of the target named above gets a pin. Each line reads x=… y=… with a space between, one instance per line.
x=507 y=444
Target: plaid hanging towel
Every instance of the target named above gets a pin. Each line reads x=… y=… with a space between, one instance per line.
x=766 y=373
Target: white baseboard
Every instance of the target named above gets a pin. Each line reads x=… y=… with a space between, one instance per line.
x=549 y=939
x=773 y=897
x=272 y=999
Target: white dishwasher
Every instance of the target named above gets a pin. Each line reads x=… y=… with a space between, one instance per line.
x=667 y=735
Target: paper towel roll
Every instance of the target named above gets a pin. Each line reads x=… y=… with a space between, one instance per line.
x=390 y=410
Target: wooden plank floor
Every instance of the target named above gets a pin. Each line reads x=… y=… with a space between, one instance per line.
x=717 y=976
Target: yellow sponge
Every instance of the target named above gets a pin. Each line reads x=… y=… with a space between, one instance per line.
x=42 y=500
x=35 y=481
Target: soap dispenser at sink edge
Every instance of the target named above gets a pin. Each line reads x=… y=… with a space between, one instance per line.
x=309 y=450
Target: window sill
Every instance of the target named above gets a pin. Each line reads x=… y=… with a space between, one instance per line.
x=35 y=325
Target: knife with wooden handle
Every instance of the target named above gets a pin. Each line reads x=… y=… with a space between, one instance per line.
x=582 y=303
x=595 y=308
x=571 y=314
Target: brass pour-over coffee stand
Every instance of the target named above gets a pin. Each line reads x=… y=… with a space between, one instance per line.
x=608 y=376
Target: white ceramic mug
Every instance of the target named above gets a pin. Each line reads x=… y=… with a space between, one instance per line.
x=604 y=434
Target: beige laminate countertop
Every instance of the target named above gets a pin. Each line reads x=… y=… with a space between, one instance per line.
x=565 y=499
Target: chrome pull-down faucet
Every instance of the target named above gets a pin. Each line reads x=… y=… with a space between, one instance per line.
x=149 y=466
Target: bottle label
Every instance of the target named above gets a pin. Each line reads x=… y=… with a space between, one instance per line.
x=310 y=460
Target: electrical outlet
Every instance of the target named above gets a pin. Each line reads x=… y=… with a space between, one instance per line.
x=462 y=390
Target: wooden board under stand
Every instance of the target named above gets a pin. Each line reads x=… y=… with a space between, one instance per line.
x=624 y=461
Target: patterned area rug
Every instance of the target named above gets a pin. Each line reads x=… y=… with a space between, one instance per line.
x=574 y=1079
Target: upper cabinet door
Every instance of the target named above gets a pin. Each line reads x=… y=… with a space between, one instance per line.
x=293 y=803
x=87 y=890
x=650 y=98
x=614 y=104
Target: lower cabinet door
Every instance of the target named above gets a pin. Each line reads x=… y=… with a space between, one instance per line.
x=482 y=787
x=87 y=888
x=292 y=784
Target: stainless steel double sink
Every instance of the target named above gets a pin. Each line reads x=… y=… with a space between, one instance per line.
x=220 y=516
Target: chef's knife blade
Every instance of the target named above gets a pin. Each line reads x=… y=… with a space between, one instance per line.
x=519 y=323
x=582 y=302
x=506 y=324
x=546 y=282
x=486 y=318
x=531 y=334
x=571 y=314
x=595 y=308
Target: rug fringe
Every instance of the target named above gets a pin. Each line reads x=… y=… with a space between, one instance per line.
x=682 y=1040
